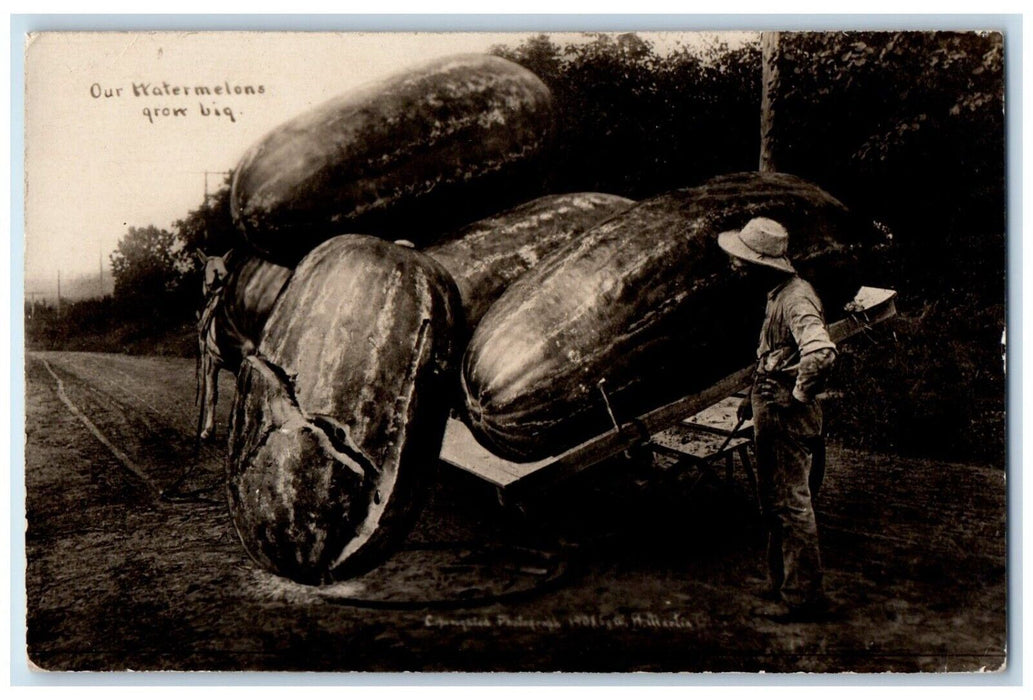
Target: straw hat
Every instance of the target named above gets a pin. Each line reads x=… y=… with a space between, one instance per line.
x=761 y=241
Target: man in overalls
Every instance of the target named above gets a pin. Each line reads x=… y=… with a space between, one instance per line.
x=793 y=358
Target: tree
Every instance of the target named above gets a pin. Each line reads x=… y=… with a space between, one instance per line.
x=148 y=267
x=209 y=228
x=878 y=104
x=537 y=54
x=909 y=127
x=633 y=122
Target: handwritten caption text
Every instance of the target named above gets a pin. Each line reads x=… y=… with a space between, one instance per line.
x=207 y=100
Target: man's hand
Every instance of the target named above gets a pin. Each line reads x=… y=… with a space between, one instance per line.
x=774 y=393
x=745 y=410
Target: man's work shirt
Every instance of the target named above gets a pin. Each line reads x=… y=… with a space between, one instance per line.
x=794 y=338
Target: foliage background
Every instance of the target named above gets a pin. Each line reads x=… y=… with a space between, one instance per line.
x=906 y=128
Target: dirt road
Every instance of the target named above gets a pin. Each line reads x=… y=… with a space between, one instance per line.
x=618 y=570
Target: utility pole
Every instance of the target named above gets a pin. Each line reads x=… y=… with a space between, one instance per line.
x=59 y=291
x=769 y=80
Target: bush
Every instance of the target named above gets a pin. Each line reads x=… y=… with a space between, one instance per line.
x=932 y=386
x=633 y=123
x=98 y=325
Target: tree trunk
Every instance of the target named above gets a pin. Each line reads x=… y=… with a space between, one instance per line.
x=769 y=89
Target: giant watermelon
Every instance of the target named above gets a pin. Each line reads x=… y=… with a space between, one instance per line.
x=338 y=419
x=487 y=256
x=646 y=301
x=420 y=151
x=240 y=311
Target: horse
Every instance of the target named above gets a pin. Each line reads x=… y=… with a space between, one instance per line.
x=239 y=294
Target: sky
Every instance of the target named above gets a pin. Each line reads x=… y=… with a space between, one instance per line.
x=97 y=163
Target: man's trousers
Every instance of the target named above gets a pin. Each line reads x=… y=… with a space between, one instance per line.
x=783 y=437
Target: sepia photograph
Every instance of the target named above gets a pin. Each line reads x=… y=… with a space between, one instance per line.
x=675 y=352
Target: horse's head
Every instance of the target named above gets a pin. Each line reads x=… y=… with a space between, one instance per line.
x=215 y=271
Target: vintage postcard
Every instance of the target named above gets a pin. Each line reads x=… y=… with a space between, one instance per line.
x=585 y=352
